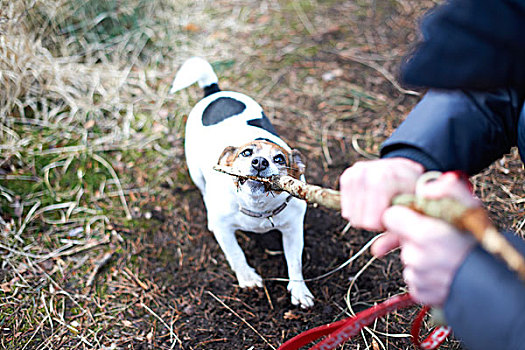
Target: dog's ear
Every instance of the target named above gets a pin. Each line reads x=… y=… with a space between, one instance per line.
x=228 y=156
x=297 y=167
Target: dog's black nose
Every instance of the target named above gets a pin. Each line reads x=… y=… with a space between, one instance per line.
x=259 y=163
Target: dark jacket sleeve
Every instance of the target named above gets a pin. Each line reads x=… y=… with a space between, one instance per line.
x=475 y=44
x=457 y=130
x=486 y=303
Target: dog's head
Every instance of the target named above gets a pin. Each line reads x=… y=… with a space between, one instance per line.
x=262 y=158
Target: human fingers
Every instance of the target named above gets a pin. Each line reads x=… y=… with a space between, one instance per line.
x=431 y=252
x=423 y=231
x=378 y=191
x=449 y=185
x=367 y=189
x=407 y=224
x=350 y=183
x=425 y=288
x=427 y=273
x=384 y=244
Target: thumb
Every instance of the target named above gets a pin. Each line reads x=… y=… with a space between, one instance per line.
x=384 y=244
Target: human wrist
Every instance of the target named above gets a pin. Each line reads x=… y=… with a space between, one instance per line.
x=413 y=154
x=407 y=162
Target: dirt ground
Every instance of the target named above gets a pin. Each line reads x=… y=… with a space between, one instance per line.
x=324 y=73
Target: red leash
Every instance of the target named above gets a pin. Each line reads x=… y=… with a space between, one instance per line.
x=436 y=337
x=339 y=332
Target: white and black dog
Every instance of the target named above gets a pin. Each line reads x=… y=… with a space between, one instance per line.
x=230 y=128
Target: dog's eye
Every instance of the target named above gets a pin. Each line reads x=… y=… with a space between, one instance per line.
x=246 y=153
x=279 y=159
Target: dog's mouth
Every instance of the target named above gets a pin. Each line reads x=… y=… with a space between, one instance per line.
x=243 y=180
x=254 y=185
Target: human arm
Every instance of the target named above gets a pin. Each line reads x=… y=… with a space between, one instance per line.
x=447 y=130
x=486 y=302
x=458 y=130
x=469 y=44
x=454 y=129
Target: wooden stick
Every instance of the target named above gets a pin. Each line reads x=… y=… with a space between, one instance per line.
x=312 y=194
x=474 y=220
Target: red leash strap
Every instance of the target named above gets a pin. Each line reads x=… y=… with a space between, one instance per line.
x=435 y=338
x=339 y=332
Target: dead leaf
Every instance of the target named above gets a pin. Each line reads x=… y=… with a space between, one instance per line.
x=264 y=19
x=6 y=287
x=192 y=27
x=89 y=124
x=289 y=315
x=158 y=128
x=149 y=336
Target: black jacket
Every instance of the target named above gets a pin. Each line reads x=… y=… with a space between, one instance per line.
x=476 y=44
x=473 y=60
x=460 y=130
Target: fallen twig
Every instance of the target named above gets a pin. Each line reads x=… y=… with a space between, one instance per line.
x=242 y=319
x=98 y=265
x=135 y=278
x=369 y=63
x=174 y=338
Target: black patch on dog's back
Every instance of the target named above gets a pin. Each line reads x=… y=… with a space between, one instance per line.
x=221 y=109
x=267 y=140
x=211 y=89
x=263 y=123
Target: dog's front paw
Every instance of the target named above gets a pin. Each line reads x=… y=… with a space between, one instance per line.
x=301 y=295
x=248 y=278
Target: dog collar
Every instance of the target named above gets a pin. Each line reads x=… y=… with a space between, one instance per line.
x=269 y=214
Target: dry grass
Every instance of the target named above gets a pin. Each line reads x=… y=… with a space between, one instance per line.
x=78 y=104
x=91 y=149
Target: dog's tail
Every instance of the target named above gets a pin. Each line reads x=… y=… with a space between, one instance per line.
x=196 y=70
